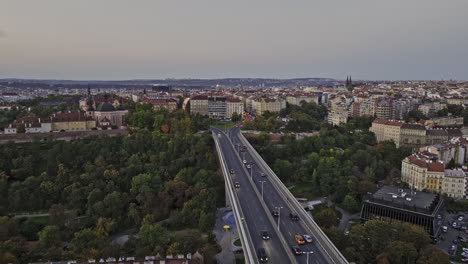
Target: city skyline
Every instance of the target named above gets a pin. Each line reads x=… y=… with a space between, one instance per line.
x=119 y=40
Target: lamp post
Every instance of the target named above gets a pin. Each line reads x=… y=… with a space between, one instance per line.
x=308 y=252
x=279 y=215
x=262 y=182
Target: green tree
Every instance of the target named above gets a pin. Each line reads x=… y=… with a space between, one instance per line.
x=49 y=237
x=327 y=218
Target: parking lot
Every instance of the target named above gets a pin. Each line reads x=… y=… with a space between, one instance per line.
x=455 y=236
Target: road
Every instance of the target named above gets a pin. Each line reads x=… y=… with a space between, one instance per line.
x=255 y=217
x=252 y=207
x=273 y=199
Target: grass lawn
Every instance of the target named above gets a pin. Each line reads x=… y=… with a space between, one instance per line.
x=222 y=125
x=238 y=243
x=304 y=191
x=40 y=219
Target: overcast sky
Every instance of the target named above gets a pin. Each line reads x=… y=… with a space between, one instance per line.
x=116 y=39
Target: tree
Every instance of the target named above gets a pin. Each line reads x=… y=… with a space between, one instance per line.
x=57 y=215
x=433 y=255
x=350 y=204
x=327 y=218
x=151 y=237
x=235 y=117
x=49 y=237
x=401 y=252
x=84 y=241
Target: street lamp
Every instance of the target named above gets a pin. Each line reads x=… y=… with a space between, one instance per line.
x=262 y=182
x=279 y=215
x=308 y=252
x=251 y=170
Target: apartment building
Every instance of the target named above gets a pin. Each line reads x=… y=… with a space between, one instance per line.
x=422 y=174
x=454 y=183
x=413 y=135
x=217 y=107
x=234 y=105
x=199 y=105
x=387 y=130
x=261 y=105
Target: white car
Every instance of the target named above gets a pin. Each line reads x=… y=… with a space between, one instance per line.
x=460 y=218
x=244 y=161
x=249 y=166
x=307 y=238
x=464 y=260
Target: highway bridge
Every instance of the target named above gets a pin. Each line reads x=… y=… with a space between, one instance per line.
x=260 y=192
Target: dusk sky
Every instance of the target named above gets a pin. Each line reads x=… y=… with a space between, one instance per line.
x=149 y=39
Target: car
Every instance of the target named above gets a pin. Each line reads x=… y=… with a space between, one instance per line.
x=296 y=250
x=455 y=241
x=465 y=250
x=262 y=174
x=299 y=239
x=294 y=216
x=464 y=227
x=262 y=256
x=464 y=260
x=444 y=229
x=439 y=216
x=265 y=235
x=275 y=213
x=244 y=161
x=249 y=166
x=307 y=238
x=454 y=225
x=232 y=171
x=237 y=184
x=460 y=218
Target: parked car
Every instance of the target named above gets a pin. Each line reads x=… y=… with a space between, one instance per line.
x=460 y=218
x=444 y=229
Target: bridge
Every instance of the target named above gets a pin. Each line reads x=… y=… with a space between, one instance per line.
x=259 y=192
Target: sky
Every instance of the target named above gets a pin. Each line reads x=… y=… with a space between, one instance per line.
x=153 y=39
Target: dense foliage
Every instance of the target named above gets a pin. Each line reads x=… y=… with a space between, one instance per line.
x=382 y=243
x=301 y=118
x=337 y=162
x=152 y=182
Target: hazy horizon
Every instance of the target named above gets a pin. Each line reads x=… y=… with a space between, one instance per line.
x=210 y=39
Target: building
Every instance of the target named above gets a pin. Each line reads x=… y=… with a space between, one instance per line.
x=386 y=130
x=234 y=105
x=67 y=121
x=454 y=183
x=298 y=98
x=262 y=105
x=165 y=103
x=395 y=205
x=412 y=135
x=199 y=105
x=217 y=107
x=384 y=109
x=107 y=110
x=422 y=174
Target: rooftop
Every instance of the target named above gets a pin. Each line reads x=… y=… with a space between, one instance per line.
x=406 y=199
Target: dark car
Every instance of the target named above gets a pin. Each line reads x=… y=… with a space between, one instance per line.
x=237 y=184
x=275 y=213
x=262 y=256
x=232 y=171
x=265 y=235
x=296 y=250
x=294 y=216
